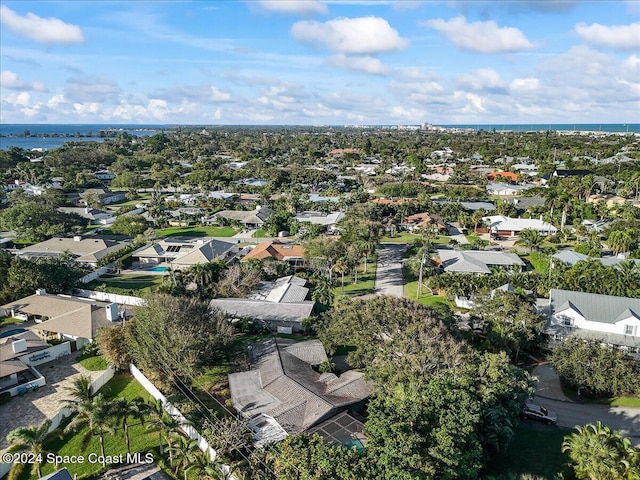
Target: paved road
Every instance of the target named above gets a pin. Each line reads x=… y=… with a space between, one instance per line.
x=549 y=395
x=570 y=414
x=456 y=234
x=389 y=280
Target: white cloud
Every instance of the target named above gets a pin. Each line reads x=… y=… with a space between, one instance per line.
x=38 y=29
x=482 y=79
x=524 y=85
x=362 y=36
x=91 y=89
x=297 y=7
x=612 y=36
x=218 y=95
x=10 y=80
x=480 y=37
x=56 y=101
x=365 y=64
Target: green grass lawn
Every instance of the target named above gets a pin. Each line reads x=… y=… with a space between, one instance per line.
x=365 y=285
x=9 y=321
x=122 y=385
x=426 y=298
x=123 y=284
x=260 y=233
x=94 y=364
x=198 y=231
x=400 y=237
x=535 y=450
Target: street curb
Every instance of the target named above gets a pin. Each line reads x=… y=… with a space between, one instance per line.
x=555 y=399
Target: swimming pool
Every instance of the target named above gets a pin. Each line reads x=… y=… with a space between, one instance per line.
x=161 y=268
x=15 y=331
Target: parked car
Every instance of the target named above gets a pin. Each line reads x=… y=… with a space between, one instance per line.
x=541 y=414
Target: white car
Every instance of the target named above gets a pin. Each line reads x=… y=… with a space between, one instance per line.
x=541 y=414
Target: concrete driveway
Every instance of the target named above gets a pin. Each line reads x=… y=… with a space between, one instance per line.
x=34 y=407
x=389 y=279
x=549 y=395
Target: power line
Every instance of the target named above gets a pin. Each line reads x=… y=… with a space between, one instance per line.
x=215 y=419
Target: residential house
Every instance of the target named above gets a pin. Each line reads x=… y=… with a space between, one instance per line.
x=610 y=319
x=17 y=352
x=89 y=250
x=327 y=221
x=93 y=215
x=62 y=474
x=502 y=175
x=424 y=221
x=470 y=206
x=476 y=261
x=511 y=227
x=104 y=175
x=571 y=257
x=284 y=386
x=184 y=252
x=64 y=317
x=282 y=252
x=104 y=196
x=571 y=173
x=610 y=200
x=506 y=190
x=281 y=304
x=253 y=182
x=252 y=219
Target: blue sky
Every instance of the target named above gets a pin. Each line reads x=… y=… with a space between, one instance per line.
x=320 y=62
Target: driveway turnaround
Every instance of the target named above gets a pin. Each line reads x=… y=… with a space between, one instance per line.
x=389 y=279
x=570 y=414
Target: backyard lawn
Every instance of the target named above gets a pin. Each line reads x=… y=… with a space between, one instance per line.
x=197 y=231
x=143 y=440
x=124 y=284
x=426 y=298
x=535 y=450
x=365 y=285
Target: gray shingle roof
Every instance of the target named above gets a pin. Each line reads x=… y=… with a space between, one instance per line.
x=593 y=307
x=263 y=310
x=282 y=384
x=475 y=261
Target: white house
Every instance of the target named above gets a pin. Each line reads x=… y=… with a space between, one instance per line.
x=511 y=227
x=613 y=320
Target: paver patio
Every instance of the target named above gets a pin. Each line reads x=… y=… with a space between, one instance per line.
x=34 y=407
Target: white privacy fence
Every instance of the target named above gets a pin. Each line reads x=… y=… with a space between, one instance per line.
x=110 y=297
x=89 y=277
x=189 y=430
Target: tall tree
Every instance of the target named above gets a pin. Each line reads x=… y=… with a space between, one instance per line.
x=98 y=416
x=30 y=440
x=599 y=453
x=176 y=334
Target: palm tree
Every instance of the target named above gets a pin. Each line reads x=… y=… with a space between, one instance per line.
x=185 y=452
x=97 y=415
x=81 y=392
x=530 y=238
x=599 y=453
x=125 y=409
x=30 y=440
x=619 y=241
x=165 y=423
x=341 y=266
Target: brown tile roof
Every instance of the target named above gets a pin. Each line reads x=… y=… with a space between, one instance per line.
x=277 y=251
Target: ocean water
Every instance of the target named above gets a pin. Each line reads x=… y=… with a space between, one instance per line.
x=542 y=127
x=49 y=136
